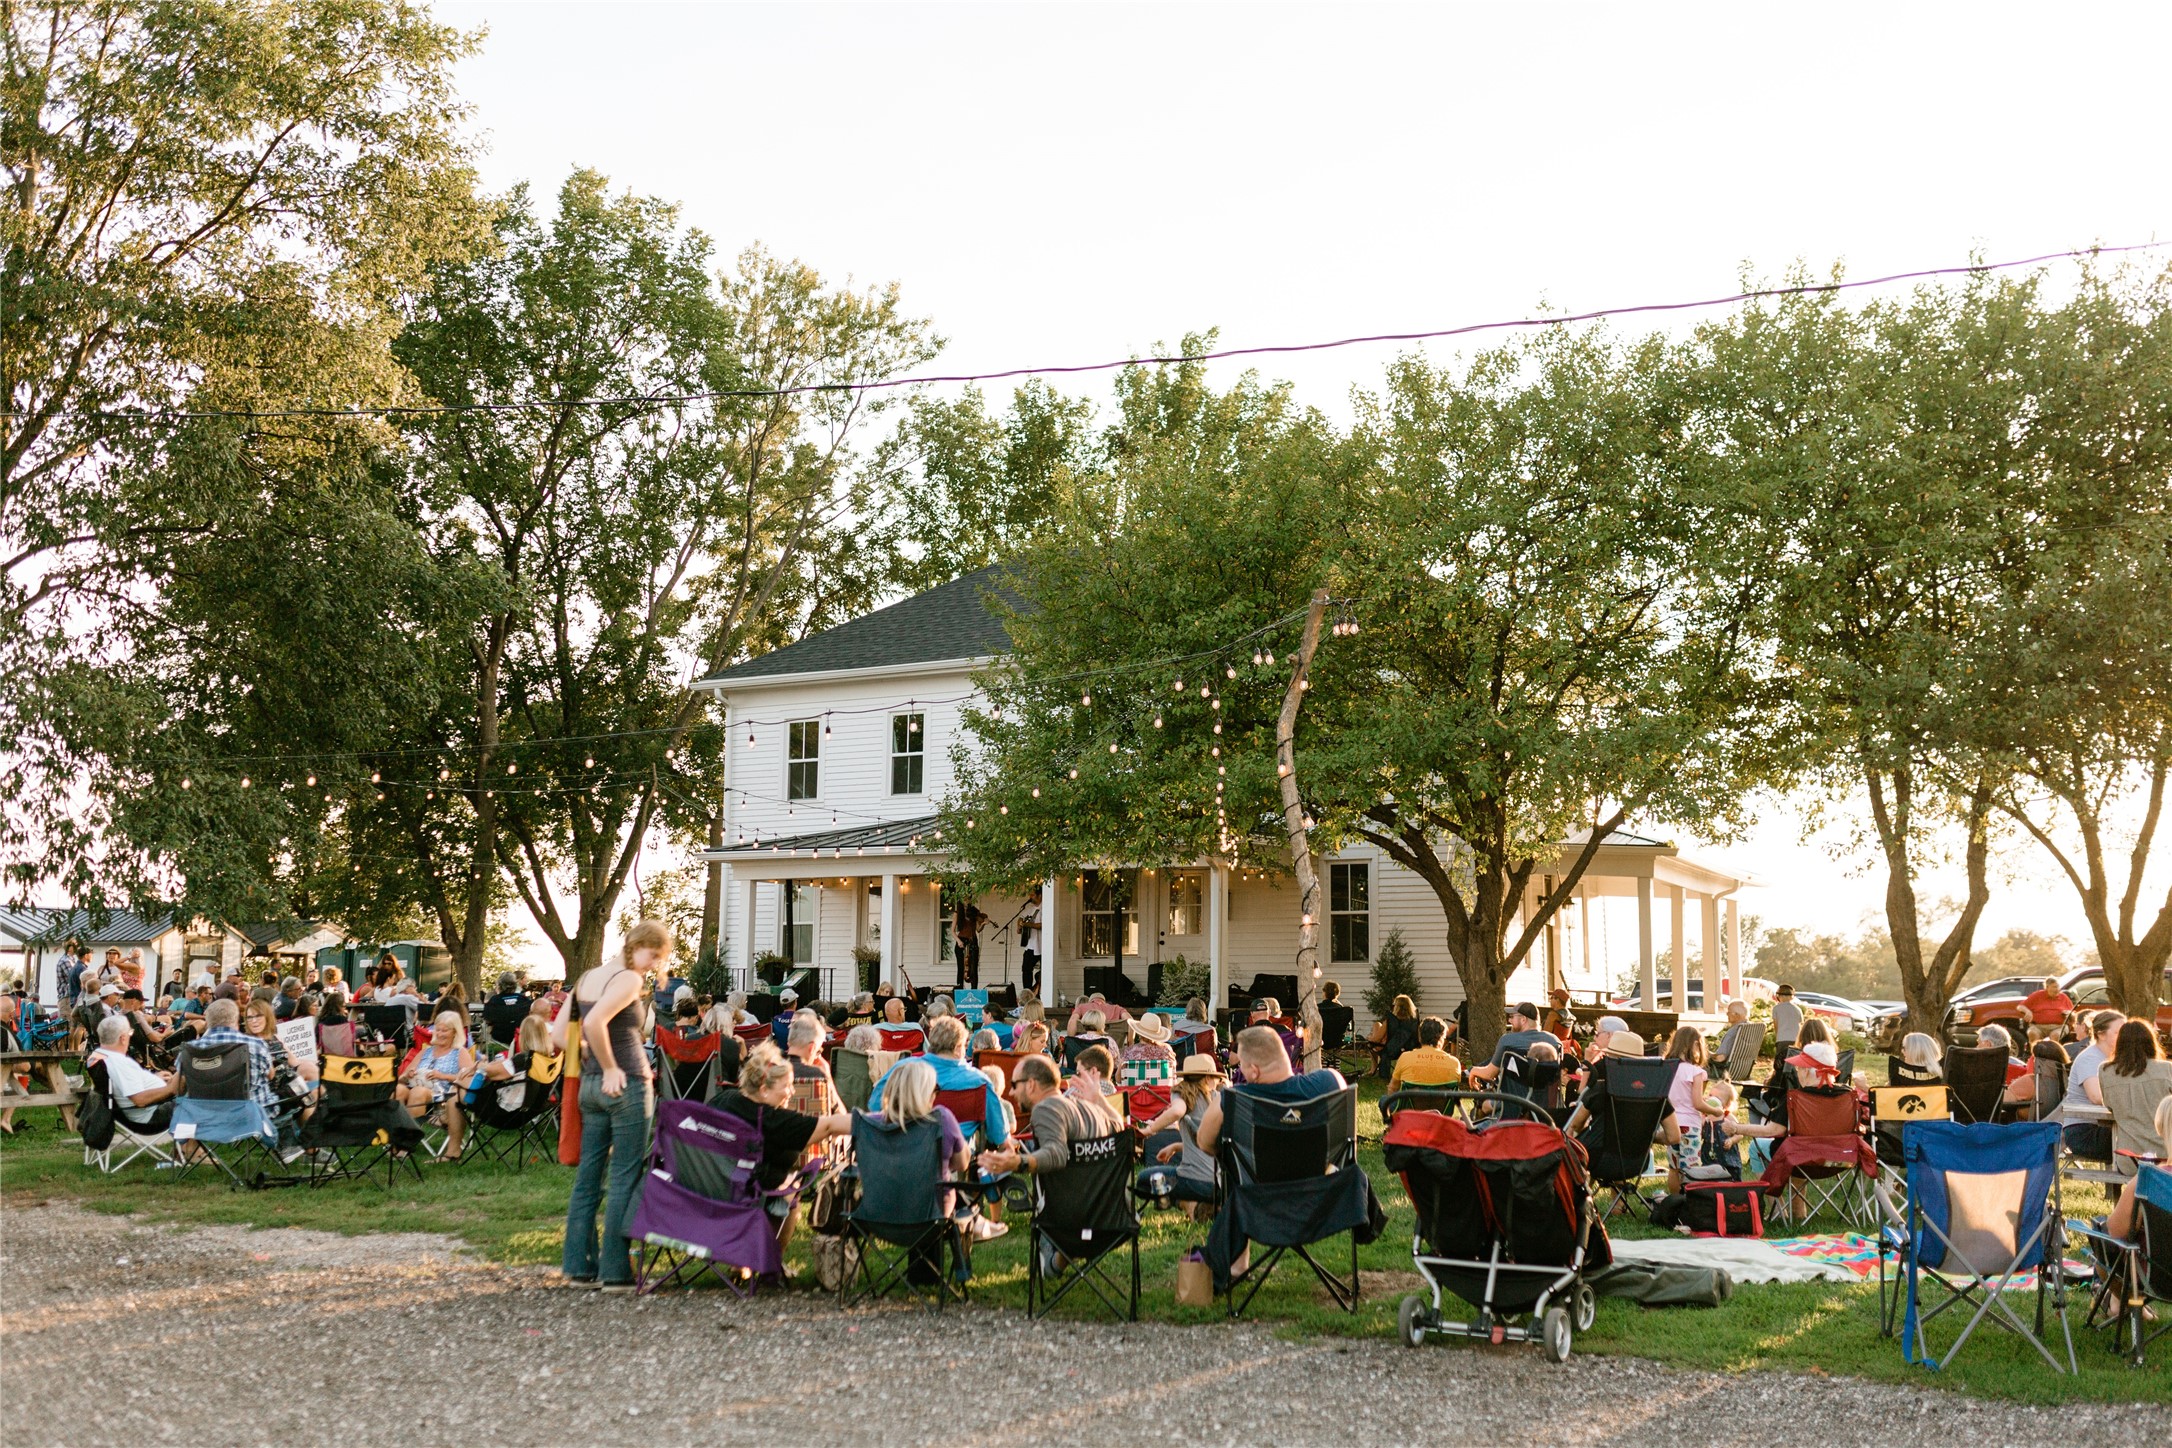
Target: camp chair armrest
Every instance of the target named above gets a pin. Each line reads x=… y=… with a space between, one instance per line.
x=2098 y=1234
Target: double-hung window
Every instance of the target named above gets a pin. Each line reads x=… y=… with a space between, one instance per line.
x=1349 y=911
x=803 y=759
x=908 y=753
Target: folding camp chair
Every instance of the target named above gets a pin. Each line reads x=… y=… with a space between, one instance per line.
x=1524 y=1079
x=127 y=1136
x=855 y=1078
x=1744 y=1050
x=702 y=1206
x=216 y=1121
x=969 y=1104
x=2139 y=1272
x=507 y=1133
x=1290 y=1181
x=1143 y=1103
x=359 y=1126
x=1983 y=1207
x=900 y=1225
x=904 y=1040
x=686 y=1064
x=1824 y=1161
x=1004 y=1061
x=1628 y=1119
x=393 y=1024
x=1082 y=1216
x=1975 y=1082
x=502 y=1018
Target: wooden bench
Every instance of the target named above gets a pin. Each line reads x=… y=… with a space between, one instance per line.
x=45 y=1066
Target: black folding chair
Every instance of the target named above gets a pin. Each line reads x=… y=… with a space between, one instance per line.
x=506 y=1134
x=1290 y=1181
x=1630 y=1117
x=2136 y=1273
x=900 y=1224
x=394 y=1024
x=1086 y=1213
x=359 y=1128
x=1975 y=1082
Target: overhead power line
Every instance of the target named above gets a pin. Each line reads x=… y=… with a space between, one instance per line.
x=878 y=384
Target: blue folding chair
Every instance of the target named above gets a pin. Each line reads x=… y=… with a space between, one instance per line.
x=2137 y=1272
x=1983 y=1208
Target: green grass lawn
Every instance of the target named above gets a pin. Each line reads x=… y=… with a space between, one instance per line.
x=517 y=1217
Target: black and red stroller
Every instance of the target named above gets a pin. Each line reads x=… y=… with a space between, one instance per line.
x=1505 y=1220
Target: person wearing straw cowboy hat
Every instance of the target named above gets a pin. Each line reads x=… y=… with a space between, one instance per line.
x=1146 y=1059
x=1183 y=1172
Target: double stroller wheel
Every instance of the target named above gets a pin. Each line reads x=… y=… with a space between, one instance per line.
x=1554 y=1333
x=1410 y=1320
x=1587 y=1307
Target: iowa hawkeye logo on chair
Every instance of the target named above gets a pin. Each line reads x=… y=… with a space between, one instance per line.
x=1910 y=1103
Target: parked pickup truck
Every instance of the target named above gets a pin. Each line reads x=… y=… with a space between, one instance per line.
x=2085 y=986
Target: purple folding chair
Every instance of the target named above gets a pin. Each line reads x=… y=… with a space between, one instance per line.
x=702 y=1206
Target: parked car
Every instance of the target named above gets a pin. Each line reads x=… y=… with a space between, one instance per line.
x=1971 y=1011
x=1843 y=1013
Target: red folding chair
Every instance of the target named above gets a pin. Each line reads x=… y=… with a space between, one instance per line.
x=688 y=1060
x=1825 y=1157
x=970 y=1105
x=906 y=1040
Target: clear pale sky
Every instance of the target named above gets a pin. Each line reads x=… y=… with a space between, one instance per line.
x=1067 y=183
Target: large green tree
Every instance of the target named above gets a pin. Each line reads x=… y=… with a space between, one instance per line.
x=213 y=206
x=1539 y=648
x=2077 y=678
x=681 y=466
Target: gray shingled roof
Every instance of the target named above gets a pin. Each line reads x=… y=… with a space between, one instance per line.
x=952 y=621
x=892 y=835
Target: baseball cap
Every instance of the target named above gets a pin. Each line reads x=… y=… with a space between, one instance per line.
x=110 y=988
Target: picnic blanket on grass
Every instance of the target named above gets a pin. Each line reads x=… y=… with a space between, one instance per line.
x=1743 y=1259
x=1858 y=1255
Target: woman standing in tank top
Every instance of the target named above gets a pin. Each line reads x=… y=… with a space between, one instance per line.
x=615 y=1106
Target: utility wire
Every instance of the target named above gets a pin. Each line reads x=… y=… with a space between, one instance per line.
x=877 y=384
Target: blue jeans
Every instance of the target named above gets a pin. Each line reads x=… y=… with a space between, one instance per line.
x=2090 y=1140
x=614 y=1135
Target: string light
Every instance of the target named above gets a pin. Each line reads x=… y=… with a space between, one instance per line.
x=1036 y=791
x=1157 y=721
x=185 y=784
x=1086 y=699
x=588 y=761
x=376 y=778
x=311 y=781
x=245 y=781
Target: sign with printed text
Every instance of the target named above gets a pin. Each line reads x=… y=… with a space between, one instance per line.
x=299 y=1036
x=972 y=1006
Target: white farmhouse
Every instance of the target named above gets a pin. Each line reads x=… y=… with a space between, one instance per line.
x=840 y=755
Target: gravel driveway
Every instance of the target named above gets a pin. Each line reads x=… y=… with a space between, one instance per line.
x=112 y=1332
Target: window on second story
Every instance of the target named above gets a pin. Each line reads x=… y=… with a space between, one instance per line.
x=803 y=759
x=908 y=753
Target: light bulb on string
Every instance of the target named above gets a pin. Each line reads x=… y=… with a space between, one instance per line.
x=311 y=781
x=1217 y=726
x=825 y=726
x=1231 y=671
x=588 y=761
x=1180 y=686
x=1074 y=774
x=1086 y=699
x=375 y=777
x=1036 y=791
x=1112 y=749
x=510 y=768
x=1270 y=660
x=245 y=781
x=185 y=783
x=1157 y=721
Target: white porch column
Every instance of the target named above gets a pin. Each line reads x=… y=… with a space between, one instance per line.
x=1677 y=900
x=1708 y=952
x=1583 y=930
x=1049 y=936
x=746 y=937
x=1734 y=947
x=1217 y=934
x=1647 y=970
x=890 y=931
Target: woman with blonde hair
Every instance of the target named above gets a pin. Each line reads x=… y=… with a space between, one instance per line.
x=908 y=1097
x=615 y=1104
x=437 y=1077
x=760 y=1100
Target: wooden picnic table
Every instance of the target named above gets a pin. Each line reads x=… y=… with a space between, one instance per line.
x=45 y=1066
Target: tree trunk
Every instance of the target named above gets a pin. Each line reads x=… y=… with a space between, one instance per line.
x=712 y=901
x=1927 y=985
x=1485 y=999
x=1312 y=903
